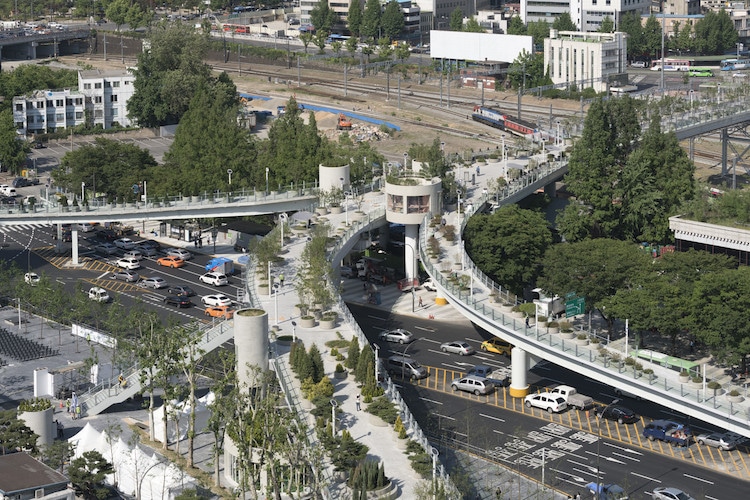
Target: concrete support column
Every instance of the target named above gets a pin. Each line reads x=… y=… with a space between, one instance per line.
x=411 y=239
x=519 y=363
x=551 y=189
x=74 y=245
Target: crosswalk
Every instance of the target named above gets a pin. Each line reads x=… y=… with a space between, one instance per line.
x=26 y=227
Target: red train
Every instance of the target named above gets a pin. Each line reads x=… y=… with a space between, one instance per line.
x=496 y=119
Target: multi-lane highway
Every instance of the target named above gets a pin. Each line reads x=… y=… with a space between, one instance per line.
x=572 y=448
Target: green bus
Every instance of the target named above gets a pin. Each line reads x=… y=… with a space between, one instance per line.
x=701 y=72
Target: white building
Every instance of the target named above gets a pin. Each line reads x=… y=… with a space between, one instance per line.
x=101 y=99
x=586 y=59
x=587 y=15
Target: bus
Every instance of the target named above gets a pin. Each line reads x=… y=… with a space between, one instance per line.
x=671 y=64
x=701 y=72
x=734 y=64
x=336 y=38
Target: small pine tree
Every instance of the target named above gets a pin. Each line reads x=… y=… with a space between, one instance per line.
x=294 y=356
x=316 y=360
x=365 y=356
x=399 y=428
x=306 y=369
x=353 y=354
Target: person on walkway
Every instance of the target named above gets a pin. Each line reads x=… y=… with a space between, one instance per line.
x=527 y=321
x=281 y=279
x=67 y=406
x=358 y=402
x=420 y=301
x=78 y=412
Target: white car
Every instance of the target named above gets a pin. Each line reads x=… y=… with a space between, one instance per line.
x=99 y=294
x=154 y=282
x=129 y=264
x=475 y=385
x=215 y=279
x=216 y=300
x=180 y=252
x=553 y=403
x=667 y=493
x=31 y=278
x=125 y=243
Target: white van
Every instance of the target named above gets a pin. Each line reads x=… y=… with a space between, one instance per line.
x=99 y=294
x=638 y=64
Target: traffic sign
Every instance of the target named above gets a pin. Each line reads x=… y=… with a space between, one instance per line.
x=136 y=188
x=575 y=306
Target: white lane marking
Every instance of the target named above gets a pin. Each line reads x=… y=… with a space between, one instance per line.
x=621 y=448
x=426 y=329
x=645 y=477
x=433 y=341
x=634 y=459
x=431 y=401
x=491 y=417
x=439 y=352
x=444 y=416
x=377 y=317
x=699 y=479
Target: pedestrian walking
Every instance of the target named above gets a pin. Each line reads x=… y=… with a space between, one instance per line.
x=477 y=170
x=692 y=346
x=67 y=406
x=527 y=321
x=357 y=402
x=78 y=412
x=200 y=242
x=281 y=279
x=364 y=286
x=420 y=301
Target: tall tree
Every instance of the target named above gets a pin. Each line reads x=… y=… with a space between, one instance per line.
x=607 y=26
x=87 y=474
x=117 y=12
x=392 y=20
x=630 y=23
x=516 y=26
x=508 y=245
x=528 y=71
x=715 y=33
x=371 y=20
x=15 y=435
x=473 y=26
x=652 y=35
x=456 y=22
x=538 y=30
x=354 y=18
x=12 y=150
x=563 y=22
x=189 y=337
x=322 y=17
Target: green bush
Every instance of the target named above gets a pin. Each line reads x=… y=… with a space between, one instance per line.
x=566 y=326
x=384 y=409
x=36 y=404
x=629 y=361
x=399 y=428
x=353 y=354
x=344 y=451
x=368 y=475
x=334 y=352
x=713 y=385
x=529 y=308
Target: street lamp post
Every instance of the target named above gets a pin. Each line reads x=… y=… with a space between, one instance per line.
x=406 y=155
x=294 y=331
x=275 y=290
x=434 y=453
x=377 y=362
x=458 y=192
x=505 y=159
x=267 y=181
x=229 y=172
x=334 y=404
x=282 y=221
x=558 y=139
x=83 y=192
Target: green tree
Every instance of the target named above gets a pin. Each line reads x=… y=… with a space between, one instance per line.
x=472 y=26
x=87 y=474
x=306 y=38
x=508 y=245
x=117 y=12
x=684 y=42
x=630 y=23
x=168 y=74
x=607 y=26
x=189 y=337
x=318 y=370
x=351 y=45
x=715 y=33
x=371 y=20
x=27 y=78
x=323 y=17
x=57 y=454
x=14 y=434
x=594 y=269
x=563 y=22
x=652 y=37
x=528 y=71
x=516 y=26
x=137 y=16
x=12 y=150
x=538 y=30
x=352 y=354
x=354 y=19
x=456 y=22
x=392 y=20
x=107 y=166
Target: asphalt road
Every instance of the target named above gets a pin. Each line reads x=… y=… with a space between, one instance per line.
x=532 y=441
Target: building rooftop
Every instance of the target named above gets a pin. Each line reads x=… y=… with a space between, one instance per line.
x=19 y=471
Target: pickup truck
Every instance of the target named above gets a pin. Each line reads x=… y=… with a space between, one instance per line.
x=498 y=376
x=573 y=398
x=668 y=431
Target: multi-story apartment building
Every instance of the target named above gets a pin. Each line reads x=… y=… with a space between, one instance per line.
x=586 y=59
x=101 y=99
x=341 y=7
x=587 y=15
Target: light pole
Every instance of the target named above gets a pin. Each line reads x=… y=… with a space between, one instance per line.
x=229 y=172
x=558 y=139
x=377 y=362
x=275 y=289
x=505 y=159
x=266 y=181
x=410 y=270
x=282 y=221
x=406 y=155
x=83 y=192
x=458 y=192
x=334 y=404
x=434 y=453
x=598 y=449
x=294 y=332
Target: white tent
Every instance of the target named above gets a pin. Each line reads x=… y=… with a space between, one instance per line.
x=201 y=418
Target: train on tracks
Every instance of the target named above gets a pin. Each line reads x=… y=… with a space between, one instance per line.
x=497 y=119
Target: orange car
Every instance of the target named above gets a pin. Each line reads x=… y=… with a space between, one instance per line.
x=170 y=261
x=219 y=312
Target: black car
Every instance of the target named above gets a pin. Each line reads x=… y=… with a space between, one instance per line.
x=20 y=182
x=177 y=301
x=106 y=235
x=181 y=291
x=622 y=414
x=151 y=243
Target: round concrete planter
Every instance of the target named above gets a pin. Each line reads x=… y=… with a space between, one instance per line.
x=307 y=322
x=263 y=289
x=337 y=210
x=568 y=335
x=388 y=492
x=340 y=375
x=684 y=379
x=327 y=324
x=553 y=329
x=582 y=341
x=322 y=210
x=735 y=399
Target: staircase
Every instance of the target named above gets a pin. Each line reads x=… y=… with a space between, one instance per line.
x=111 y=391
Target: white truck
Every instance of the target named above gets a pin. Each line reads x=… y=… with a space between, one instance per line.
x=551 y=307
x=572 y=397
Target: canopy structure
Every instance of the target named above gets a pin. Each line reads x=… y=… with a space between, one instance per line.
x=303 y=216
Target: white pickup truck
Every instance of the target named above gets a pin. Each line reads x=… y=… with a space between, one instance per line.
x=572 y=397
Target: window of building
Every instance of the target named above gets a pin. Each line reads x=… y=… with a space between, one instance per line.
x=418 y=204
x=79 y=101
x=68 y=102
x=68 y=117
x=98 y=85
x=87 y=86
x=40 y=105
x=59 y=117
x=49 y=103
x=98 y=113
x=115 y=84
x=59 y=102
x=98 y=99
x=113 y=98
x=79 y=115
x=19 y=107
x=19 y=124
x=107 y=84
x=114 y=111
x=395 y=203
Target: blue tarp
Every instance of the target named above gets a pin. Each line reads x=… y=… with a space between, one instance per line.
x=222 y=264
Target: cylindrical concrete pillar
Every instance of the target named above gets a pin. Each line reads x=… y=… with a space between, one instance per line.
x=41 y=423
x=519 y=363
x=251 y=345
x=411 y=250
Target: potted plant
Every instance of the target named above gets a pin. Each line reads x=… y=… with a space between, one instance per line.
x=582 y=339
x=566 y=330
x=340 y=372
x=328 y=320
x=716 y=387
x=541 y=321
x=263 y=288
x=734 y=396
x=684 y=376
x=650 y=374
x=553 y=327
x=516 y=312
x=307 y=321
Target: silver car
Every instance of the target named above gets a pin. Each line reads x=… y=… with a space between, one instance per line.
x=398 y=335
x=154 y=282
x=457 y=347
x=475 y=385
x=718 y=440
x=666 y=493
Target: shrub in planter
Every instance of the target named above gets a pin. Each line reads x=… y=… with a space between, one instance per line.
x=399 y=428
x=638 y=366
x=648 y=371
x=684 y=373
x=542 y=319
x=340 y=357
x=629 y=361
x=734 y=393
x=334 y=352
x=449 y=231
x=615 y=357
x=339 y=368
x=36 y=404
x=529 y=308
x=566 y=326
x=582 y=336
x=595 y=340
x=713 y=385
x=368 y=475
x=384 y=409
x=553 y=324
x=697 y=380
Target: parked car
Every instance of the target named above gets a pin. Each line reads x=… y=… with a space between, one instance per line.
x=219 y=312
x=125 y=243
x=497 y=346
x=31 y=278
x=668 y=493
x=129 y=264
x=215 y=279
x=622 y=414
x=546 y=401
x=668 y=431
x=398 y=335
x=170 y=261
x=99 y=294
x=475 y=385
x=20 y=182
x=133 y=254
x=106 y=248
x=146 y=250
x=607 y=491
x=154 y=282
x=722 y=441
x=106 y=235
x=407 y=368
x=181 y=290
x=177 y=301
x=457 y=347
x=216 y=300
x=180 y=252
x=151 y=243
x=125 y=275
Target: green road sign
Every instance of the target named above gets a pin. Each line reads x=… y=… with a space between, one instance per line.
x=575 y=306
